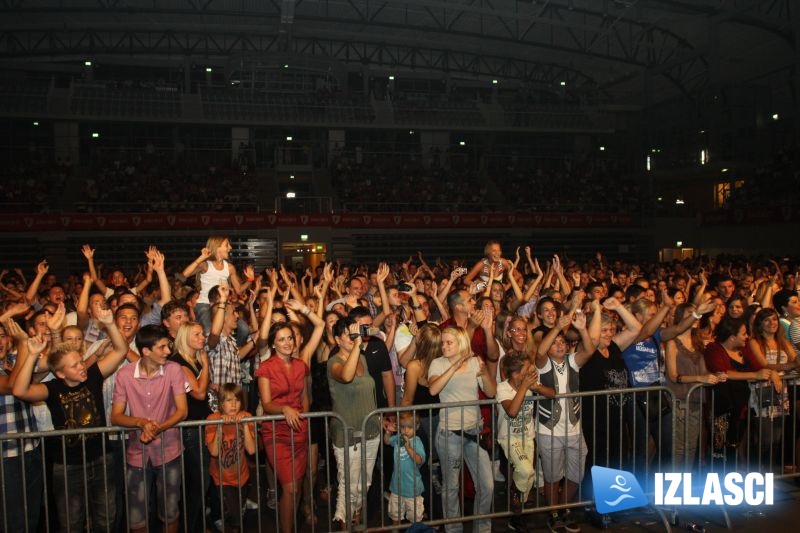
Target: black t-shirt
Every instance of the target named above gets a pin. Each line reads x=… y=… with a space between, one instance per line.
x=76 y=407
x=197 y=409
x=378 y=361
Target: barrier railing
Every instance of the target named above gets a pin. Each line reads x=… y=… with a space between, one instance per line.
x=697 y=433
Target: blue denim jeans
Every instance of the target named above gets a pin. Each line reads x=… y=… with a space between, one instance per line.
x=660 y=429
x=455 y=450
x=195 y=477
x=69 y=488
x=23 y=501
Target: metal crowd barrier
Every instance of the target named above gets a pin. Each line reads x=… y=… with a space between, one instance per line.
x=619 y=427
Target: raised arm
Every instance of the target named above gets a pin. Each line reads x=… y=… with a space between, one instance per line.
x=474 y=271
x=547 y=341
x=198 y=264
x=344 y=373
x=674 y=330
x=380 y=276
x=218 y=316
x=41 y=271
x=633 y=327
x=588 y=345
x=157 y=265
x=88 y=253
x=22 y=386
x=310 y=346
x=109 y=364
x=82 y=308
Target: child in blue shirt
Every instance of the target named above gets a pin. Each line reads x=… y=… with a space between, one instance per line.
x=406 y=486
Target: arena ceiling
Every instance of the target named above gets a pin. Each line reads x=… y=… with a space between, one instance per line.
x=629 y=52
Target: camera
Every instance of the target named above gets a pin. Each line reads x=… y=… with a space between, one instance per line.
x=364 y=331
x=461 y=271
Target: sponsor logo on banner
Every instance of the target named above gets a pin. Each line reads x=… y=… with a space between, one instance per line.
x=367 y=219
x=456 y=219
x=426 y=219
x=397 y=220
x=272 y=219
x=239 y=219
x=136 y=220
x=336 y=219
x=65 y=221
x=616 y=490
x=28 y=221
x=101 y=221
x=484 y=219
x=171 y=220
x=538 y=219
x=304 y=219
x=511 y=219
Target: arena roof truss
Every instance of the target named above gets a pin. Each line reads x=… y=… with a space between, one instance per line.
x=605 y=48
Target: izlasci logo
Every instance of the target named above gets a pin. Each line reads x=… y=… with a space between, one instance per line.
x=616 y=490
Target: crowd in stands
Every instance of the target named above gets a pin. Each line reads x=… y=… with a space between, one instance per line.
x=398 y=184
x=571 y=186
x=144 y=182
x=216 y=341
x=34 y=185
x=780 y=174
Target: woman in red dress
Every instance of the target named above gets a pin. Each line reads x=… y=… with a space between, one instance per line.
x=282 y=387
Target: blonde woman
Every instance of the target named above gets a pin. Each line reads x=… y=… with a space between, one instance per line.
x=189 y=353
x=456 y=377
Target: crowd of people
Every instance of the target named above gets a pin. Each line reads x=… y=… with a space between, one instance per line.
x=570 y=186
x=130 y=182
x=375 y=183
x=213 y=343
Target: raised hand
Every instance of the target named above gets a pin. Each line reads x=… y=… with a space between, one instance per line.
x=42 y=268
x=248 y=272
x=224 y=292
x=564 y=321
x=57 y=319
x=205 y=253
x=88 y=252
x=36 y=345
x=557 y=264
x=706 y=307
x=382 y=273
x=105 y=316
x=612 y=304
x=14 y=331
x=477 y=317
x=294 y=305
x=579 y=320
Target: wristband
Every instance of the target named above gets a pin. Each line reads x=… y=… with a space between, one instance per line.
x=305 y=310
x=696 y=315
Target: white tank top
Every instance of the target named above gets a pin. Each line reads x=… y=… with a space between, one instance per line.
x=211 y=278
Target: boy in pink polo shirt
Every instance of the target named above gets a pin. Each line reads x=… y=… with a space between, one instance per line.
x=151 y=396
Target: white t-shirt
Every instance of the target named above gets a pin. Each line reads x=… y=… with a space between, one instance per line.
x=462 y=387
x=563 y=426
x=522 y=425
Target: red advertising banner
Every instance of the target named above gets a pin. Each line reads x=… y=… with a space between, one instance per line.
x=166 y=221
